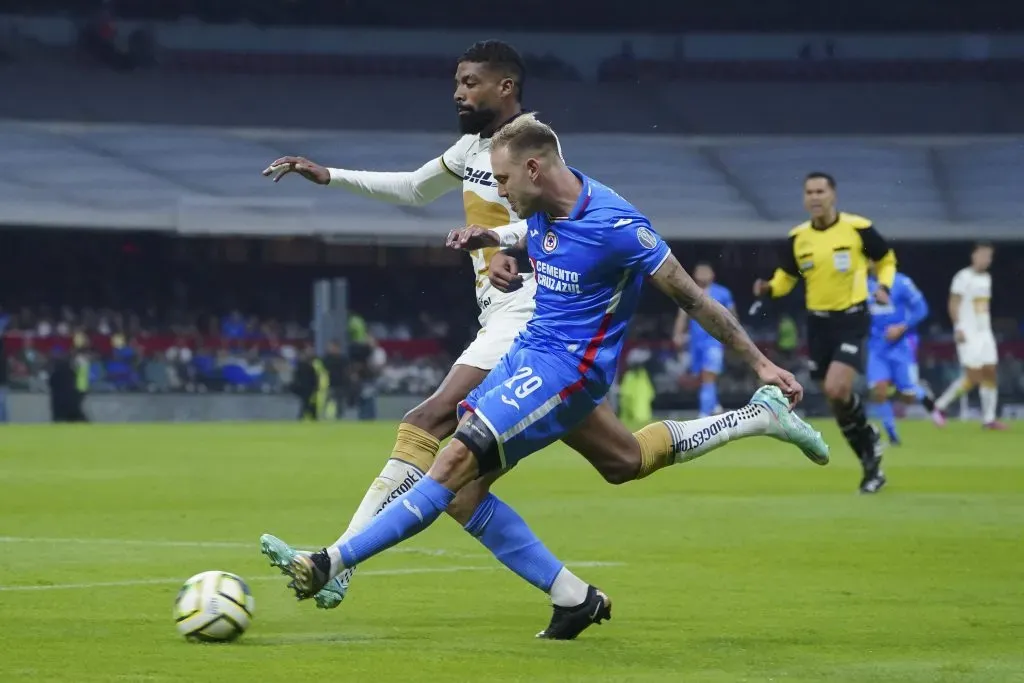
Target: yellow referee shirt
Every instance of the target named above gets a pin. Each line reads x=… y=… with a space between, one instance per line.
x=833 y=261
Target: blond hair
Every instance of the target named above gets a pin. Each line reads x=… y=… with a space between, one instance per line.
x=526 y=134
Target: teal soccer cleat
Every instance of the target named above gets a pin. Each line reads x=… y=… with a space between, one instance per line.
x=281 y=555
x=787 y=425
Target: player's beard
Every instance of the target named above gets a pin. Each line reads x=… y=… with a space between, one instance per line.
x=473 y=121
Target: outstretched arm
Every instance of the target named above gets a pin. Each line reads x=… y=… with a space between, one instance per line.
x=412 y=188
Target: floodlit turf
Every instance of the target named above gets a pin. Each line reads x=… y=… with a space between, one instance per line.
x=749 y=565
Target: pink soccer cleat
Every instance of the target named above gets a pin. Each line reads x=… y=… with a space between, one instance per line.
x=938 y=418
x=995 y=425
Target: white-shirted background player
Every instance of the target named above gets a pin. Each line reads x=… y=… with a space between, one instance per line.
x=970 y=296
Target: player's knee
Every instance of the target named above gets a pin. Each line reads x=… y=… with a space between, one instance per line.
x=467 y=501
x=436 y=416
x=621 y=472
x=880 y=392
x=837 y=391
x=455 y=466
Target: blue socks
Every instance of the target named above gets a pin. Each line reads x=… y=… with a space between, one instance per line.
x=494 y=524
x=404 y=518
x=708 y=398
x=507 y=536
x=884 y=412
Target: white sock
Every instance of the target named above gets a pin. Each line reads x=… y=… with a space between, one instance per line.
x=989 y=402
x=568 y=590
x=396 y=478
x=694 y=438
x=951 y=393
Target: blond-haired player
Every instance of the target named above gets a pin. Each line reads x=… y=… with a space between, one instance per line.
x=488 y=94
x=970 y=295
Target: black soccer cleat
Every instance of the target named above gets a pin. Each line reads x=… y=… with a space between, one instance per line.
x=569 y=622
x=309 y=573
x=873 y=479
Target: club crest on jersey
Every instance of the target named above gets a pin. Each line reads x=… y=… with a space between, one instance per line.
x=647 y=238
x=550 y=242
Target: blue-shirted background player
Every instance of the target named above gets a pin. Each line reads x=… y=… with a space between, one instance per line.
x=707 y=354
x=892 y=361
x=591 y=251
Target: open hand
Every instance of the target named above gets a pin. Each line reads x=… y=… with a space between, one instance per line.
x=309 y=170
x=471 y=238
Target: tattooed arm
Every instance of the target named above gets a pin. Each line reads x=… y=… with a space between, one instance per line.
x=673 y=280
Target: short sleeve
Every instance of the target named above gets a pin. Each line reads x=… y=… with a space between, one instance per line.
x=454 y=158
x=638 y=246
x=959 y=284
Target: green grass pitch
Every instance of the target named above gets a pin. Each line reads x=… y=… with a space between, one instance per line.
x=748 y=565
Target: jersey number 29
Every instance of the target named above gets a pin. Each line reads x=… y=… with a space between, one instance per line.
x=531 y=384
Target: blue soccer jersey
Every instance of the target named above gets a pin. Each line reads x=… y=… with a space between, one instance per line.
x=589 y=268
x=706 y=352
x=894 y=361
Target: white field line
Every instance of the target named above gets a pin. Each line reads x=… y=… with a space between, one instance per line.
x=368 y=572
x=156 y=543
x=233 y=544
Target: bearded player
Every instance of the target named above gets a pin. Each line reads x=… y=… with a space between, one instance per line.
x=488 y=94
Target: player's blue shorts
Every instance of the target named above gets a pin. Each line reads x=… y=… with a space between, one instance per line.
x=894 y=364
x=530 y=400
x=707 y=357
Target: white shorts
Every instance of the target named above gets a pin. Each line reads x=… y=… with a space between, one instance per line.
x=495 y=339
x=978 y=351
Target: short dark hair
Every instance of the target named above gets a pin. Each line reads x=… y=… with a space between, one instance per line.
x=824 y=176
x=983 y=244
x=500 y=56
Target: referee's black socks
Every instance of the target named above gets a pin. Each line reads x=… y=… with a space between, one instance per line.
x=853 y=421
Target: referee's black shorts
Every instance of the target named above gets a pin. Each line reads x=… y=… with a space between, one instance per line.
x=837 y=336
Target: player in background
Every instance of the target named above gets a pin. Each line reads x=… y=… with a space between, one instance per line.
x=591 y=252
x=891 y=360
x=707 y=354
x=831 y=253
x=970 y=295
x=488 y=94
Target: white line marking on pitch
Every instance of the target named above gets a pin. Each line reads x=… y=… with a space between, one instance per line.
x=369 y=572
x=157 y=543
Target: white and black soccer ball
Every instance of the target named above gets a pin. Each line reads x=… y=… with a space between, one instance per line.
x=213 y=607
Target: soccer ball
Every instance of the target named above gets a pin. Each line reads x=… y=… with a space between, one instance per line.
x=213 y=607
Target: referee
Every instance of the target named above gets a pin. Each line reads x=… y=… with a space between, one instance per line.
x=831 y=252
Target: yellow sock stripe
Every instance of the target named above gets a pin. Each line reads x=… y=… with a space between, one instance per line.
x=655 y=448
x=415 y=446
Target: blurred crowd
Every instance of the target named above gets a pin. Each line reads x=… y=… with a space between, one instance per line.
x=130 y=351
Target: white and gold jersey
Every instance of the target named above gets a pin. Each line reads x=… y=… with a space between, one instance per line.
x=975 y=292
x=469 y=159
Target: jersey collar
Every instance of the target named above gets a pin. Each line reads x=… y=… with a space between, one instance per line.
x=586 y=194
x=582 y=202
